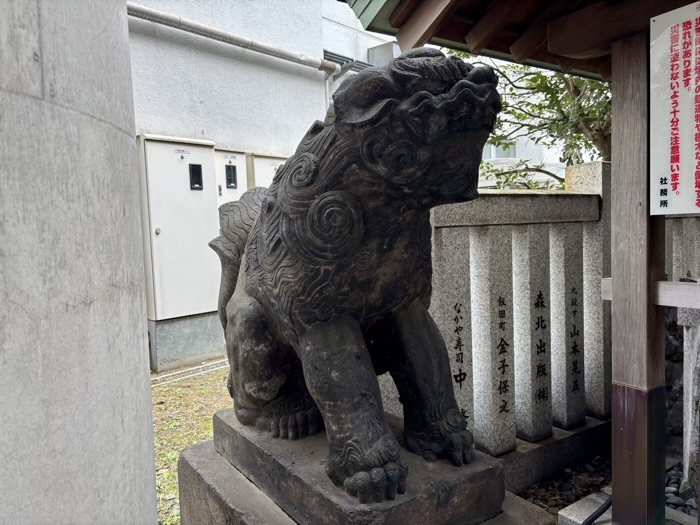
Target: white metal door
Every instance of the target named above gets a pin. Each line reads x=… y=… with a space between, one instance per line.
x=182 y=196
x=231 y=175
x=265 y=169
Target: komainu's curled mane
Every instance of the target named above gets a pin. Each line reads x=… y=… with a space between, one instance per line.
x=326 y=274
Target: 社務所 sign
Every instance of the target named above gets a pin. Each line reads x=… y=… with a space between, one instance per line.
x=675 y=112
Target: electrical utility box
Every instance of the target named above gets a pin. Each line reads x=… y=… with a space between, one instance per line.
x=179 y=217
x=264 y=168
x=231 y=175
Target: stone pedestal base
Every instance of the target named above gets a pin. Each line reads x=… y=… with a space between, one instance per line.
x=289 y=475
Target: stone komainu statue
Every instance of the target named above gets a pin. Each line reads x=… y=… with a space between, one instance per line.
x=326 y=275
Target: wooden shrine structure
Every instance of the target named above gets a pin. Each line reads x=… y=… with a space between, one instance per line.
x=608 y=40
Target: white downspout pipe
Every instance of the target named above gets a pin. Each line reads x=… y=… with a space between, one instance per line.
x=160 y=17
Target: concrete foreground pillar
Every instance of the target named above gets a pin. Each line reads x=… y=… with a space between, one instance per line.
x=76 y=437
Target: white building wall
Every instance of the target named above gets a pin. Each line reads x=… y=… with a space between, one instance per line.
x=343 y=33
x=192 y=87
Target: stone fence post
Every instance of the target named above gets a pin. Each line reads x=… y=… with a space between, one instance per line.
x=491 y=262
x=594 y=177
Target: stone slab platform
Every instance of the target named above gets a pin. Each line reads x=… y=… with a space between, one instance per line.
x=213 y=492
x=292 y=474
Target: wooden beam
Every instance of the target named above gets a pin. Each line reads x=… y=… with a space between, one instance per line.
x=681 y=295
x=588 y=32
x=530 y=41
x=421 y=25
x=566 y=64
x=495 y=19
x=605 y=70
x=401 y=12
x=637 y=260
x=535 y=36
x=665 y=293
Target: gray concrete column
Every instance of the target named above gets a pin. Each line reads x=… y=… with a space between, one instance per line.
x=76 y=439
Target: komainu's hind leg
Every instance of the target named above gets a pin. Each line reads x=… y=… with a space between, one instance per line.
x=266 y=380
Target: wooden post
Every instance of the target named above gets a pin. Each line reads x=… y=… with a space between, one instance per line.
x=637 y=325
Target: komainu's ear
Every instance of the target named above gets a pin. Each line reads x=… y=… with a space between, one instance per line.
x=365 y=98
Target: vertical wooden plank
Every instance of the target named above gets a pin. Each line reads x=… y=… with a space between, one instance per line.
x=637 y=325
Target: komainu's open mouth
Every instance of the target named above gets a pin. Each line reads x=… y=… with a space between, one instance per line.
x=471 y=103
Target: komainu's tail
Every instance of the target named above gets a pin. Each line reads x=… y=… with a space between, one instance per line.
x=236 y=219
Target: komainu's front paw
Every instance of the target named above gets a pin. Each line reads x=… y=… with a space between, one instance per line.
x=446 y=438
x=371 y=474
x=378 y=484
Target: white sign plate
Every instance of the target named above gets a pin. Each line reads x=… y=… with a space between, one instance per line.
x=675 y=112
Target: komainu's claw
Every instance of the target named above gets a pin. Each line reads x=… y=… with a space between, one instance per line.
x=446 y=438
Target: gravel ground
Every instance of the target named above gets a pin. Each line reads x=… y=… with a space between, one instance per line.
x=577 y=482
x=182 y=416
x=689 y=506
x=570 y=485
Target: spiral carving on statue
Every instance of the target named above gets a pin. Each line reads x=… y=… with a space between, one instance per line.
x=295 y=185
x=397 y=161
x=330 y=231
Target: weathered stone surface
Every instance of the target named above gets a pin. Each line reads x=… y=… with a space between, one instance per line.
x=212 y=491
x=688 y=317
x=691 y=406
x=390 y=396
x=76 y=430
x=567 y=331
x=450 y=306
x=674 y=372
x=577 y=513
x=683 y=248
x=533 y=349
x=594 y=177
x=335 y=274
x=491 y=254
x=532 y=462
x=292 y=475
x=519 y=207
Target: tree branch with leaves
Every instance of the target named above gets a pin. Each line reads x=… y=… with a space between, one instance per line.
x=552 y=109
